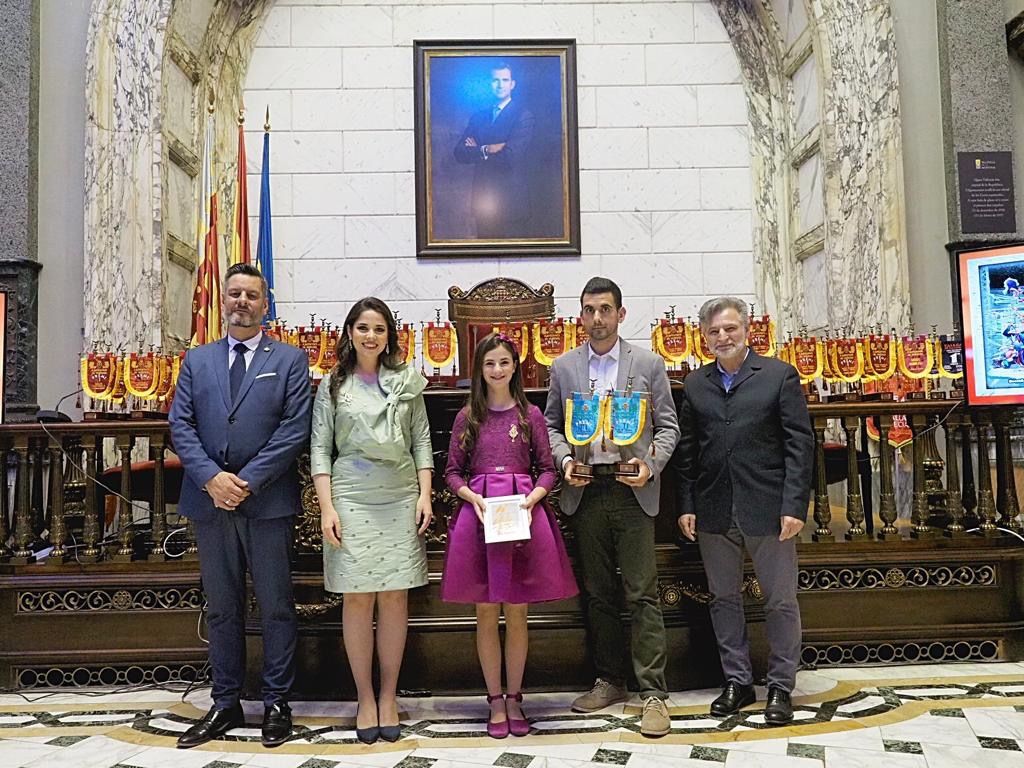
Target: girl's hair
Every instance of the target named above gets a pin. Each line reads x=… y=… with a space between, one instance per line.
x=476 y=406
x=389 y=358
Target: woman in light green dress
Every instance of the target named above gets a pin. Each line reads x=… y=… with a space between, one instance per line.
x=371 y=462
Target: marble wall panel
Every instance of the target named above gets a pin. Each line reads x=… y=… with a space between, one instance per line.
x=546 y=20
x=405 y=194
x=296 y=151
x=643 y=22
x=650 y=190
x=702 y=231
x=590 y=191
x=728 y=274
x=343 y=110
x=378 y=236
x=700 y=147
x=791 y=16
x=180 y=113
x=586 y=108
x=721 y=105
x=276 y=31
x=298 y=68
x=179 y=216
x=708 y=63
x=725 y=188
x=707 y=24
x=341 y=27
x=653 y=105
x=613 y=148
x=442 y=22
x=280 y=191
x=810 y=194
x=610 y=65
x=377 y=67
x=656 y=275
x=309 y=237
x=338 y=194
x=378 y=151
x=616 y=232
x=814 y=269
x=806 y=107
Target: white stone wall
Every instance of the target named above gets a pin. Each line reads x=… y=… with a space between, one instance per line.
x=665 y=191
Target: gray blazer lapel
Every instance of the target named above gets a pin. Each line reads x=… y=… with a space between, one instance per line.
x=750 y=366
x=625 y=365
x=583 y=368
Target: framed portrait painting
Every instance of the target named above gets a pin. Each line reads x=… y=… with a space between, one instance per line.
x=496 y=148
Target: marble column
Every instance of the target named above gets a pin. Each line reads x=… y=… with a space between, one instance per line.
x=977 y=110
x=19 y=73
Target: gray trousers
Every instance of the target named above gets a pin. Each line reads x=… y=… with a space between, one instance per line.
x=776 y=570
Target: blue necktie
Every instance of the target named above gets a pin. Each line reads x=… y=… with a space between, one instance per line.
x=237 y=370
x=495 y=113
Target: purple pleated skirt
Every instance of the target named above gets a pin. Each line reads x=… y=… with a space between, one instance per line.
x=531 y=571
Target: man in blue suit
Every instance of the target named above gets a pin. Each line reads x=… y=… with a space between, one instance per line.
x=496 y=143
x=240 y=419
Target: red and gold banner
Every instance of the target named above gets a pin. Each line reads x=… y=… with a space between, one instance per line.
x=827 y=356
x=914 y=356
x=312 y=342
x=879 y=356
x=699 y=345
x=551 y=340
x=847 y=359
x=166 y=383
x=672 y=340
x=440 y=344
x=330 y=358
x=142 y=375
x=100 y=374
x=519 y=334
x=806 y=356
x=406 y=343
x=761 y=336
x=580 y=335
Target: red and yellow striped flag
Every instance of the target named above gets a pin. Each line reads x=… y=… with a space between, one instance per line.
x=206 y=298
x=240 y=233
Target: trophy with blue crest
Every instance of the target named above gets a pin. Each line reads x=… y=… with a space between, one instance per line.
x=584 y=422
x=625 y=417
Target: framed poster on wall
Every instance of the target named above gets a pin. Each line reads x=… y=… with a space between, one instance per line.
x=496 y=148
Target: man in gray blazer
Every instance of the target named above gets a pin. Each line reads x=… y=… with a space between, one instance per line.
x=744 y=459
x=613 y=517
x=240 y=419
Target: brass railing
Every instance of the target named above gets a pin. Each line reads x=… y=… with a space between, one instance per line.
x=54 y=471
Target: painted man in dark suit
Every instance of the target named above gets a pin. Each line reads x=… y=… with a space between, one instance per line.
x=497 y=143
x=240 y=418
x=744 y=458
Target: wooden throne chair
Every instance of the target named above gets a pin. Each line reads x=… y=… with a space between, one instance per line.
x=475 y=312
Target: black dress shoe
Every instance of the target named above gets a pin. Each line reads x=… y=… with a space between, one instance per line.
x=216 y=723
x=277 y=725
x=391 y=733
x=367 y=735
x=734 y=696
x=779 y=709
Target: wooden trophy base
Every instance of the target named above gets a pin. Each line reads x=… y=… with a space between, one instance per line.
x=877 y=397
x=104 y=416
x=582 y=471
x=937 y=394
x=625 y=469
x=843 y=397
x=917 y=395
x=143 y=415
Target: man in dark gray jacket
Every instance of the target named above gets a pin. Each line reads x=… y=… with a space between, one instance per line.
x=744 y=460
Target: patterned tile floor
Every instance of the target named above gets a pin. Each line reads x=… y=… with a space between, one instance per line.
x=899 y=717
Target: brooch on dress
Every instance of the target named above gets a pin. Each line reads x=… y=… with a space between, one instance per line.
x=345 y=398
x=513 y=432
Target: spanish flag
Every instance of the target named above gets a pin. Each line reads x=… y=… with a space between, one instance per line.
x=265 y=242
x=240 y=233
x=206 y=298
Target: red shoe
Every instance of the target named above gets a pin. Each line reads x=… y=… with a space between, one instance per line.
x=520 y=726
x=497 y=730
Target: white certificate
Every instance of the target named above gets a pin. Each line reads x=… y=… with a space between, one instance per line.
x=505 y=519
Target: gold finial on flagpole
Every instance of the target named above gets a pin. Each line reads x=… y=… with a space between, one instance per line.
x=241 y=115
x=266 y=125
x=209 y=100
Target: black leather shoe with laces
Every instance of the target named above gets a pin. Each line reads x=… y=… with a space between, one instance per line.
x=215 y=724
x=277 y=725
x=734 y=696
x=779 y=709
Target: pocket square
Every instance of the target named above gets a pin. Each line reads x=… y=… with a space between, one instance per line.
x=267 y=375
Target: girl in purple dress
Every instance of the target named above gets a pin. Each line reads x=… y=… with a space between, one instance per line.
x=499 y=443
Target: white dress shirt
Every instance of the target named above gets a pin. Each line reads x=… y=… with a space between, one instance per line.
x=251 y=344
x=604 y=372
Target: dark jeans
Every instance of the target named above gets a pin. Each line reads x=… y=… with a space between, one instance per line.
x=612 y=531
